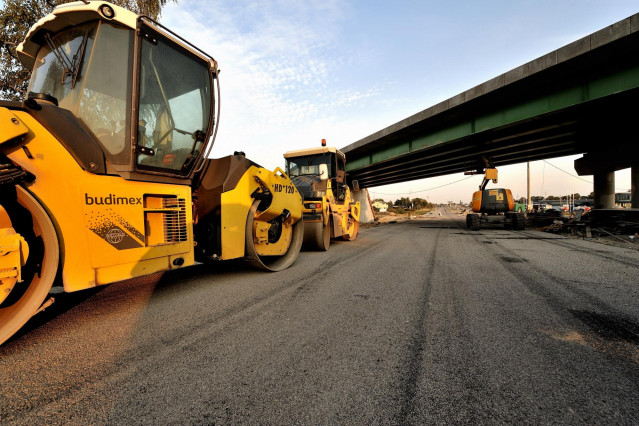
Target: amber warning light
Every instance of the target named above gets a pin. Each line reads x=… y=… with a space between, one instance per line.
x=323 y=142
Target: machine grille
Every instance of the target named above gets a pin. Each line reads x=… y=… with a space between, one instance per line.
x=165 y=218
x=174 y=220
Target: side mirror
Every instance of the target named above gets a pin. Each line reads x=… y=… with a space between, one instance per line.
x=323 y=171
x=355 y=185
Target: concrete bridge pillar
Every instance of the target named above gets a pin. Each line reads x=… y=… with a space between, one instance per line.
x=634 y=186
x=604 y=188
x=367 y=214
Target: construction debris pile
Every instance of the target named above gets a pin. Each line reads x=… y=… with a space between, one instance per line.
x=616 y=224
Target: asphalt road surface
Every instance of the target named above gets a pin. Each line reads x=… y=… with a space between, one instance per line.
x=422 y=322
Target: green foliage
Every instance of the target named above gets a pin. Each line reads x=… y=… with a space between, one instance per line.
x=397 y=210
x=421 y=204
x=406 y=203
x=17 y=16
x=402 y=202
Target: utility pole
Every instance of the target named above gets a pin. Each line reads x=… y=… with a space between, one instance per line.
x=528 y=200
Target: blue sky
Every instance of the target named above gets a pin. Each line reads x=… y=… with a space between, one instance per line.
x=294 y=71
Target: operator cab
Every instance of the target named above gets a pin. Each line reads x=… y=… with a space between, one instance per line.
x=314 y=167
x=144 y=95
x=320 y=165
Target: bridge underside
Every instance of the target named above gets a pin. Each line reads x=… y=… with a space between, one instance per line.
x=588 y=127
x=580 y=99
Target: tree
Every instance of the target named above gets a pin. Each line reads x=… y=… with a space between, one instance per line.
x=17 y=16
x=403 y=202
x=420 y=203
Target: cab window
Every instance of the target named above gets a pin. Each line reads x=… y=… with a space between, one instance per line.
x=86 y=69
x=174 y=107
x=308 y=165
x=340 y=178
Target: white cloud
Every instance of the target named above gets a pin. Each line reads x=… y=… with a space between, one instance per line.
x=277 y=83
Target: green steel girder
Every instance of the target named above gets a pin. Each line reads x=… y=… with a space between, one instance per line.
x=548 y=103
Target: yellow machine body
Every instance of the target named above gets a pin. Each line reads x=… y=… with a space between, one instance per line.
x=14 y=252
x=109 y=228
x=90 y=195
x=236 y=204
x=327 y=207
x=493 y=201
x=330 y=210
x=343 y=213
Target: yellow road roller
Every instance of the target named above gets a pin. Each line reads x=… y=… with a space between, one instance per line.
x=104 y=168
x=329 y=208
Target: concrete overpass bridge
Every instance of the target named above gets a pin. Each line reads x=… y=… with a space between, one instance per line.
x=580 y=99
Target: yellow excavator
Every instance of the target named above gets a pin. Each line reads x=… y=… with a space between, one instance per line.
x=329 y=209
x=493 y=202
x=104 y=168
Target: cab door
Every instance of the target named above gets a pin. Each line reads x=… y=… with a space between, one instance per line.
x=174 y=106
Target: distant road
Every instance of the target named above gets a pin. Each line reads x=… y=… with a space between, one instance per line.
x=421 y=322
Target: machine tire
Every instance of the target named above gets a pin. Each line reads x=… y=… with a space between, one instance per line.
x=473 y=221
x=509 y=220
x=28 y=296
x=272 y=263
x=519 y=221
x=326 y=236
x=317 y=236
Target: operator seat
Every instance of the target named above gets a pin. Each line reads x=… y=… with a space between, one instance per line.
x=163 y=133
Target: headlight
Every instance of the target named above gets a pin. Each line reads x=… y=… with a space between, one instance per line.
x=107 y=11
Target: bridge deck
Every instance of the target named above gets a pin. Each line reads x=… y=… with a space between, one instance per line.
x=576 y=99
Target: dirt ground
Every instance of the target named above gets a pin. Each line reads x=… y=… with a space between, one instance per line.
x=623 y=241
x=389 y=217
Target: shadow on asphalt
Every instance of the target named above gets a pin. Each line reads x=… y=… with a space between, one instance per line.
x=63 y=302
x=609 y=327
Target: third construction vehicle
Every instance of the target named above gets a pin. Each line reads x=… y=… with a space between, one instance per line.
x=329 y=208
x=493 y=202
